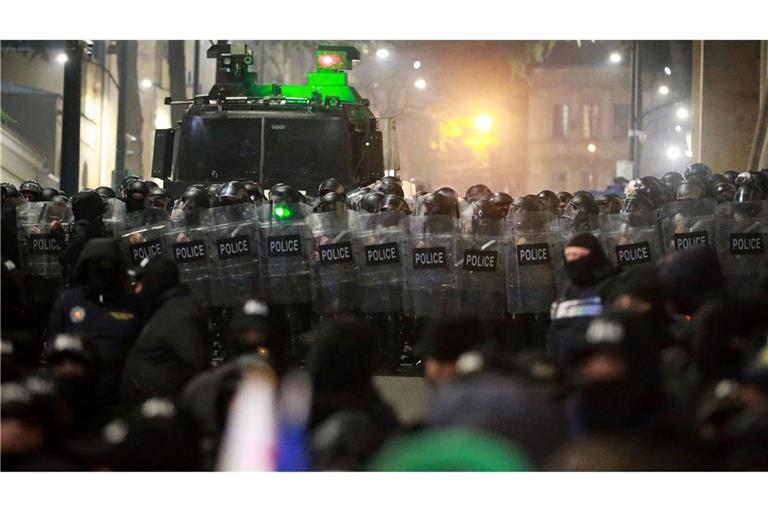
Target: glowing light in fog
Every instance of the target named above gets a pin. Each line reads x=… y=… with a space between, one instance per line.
x=420 y=84
x=615 y=57
x=382 y=53
x=591 y=148
x=62 y=58
x=416 y=64
x=673 y=152
x=146 y=83
x=667 y=71
x=663 y=90
x=682 y=113
x=483 y=123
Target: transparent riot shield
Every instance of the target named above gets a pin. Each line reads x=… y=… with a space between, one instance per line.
x=39 y=246
x=232 y=253
x=380 y=238
x=114 y=217
x=336 y=275
x=687 y=224
x=430 y=267
x=583 y=223
x=186 y=243
x=742 y=235
x=481 y=267
x=142 y=235
x=284 y=253
x=632 y=239
x=534 y=261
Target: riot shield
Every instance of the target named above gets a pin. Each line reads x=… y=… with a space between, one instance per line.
x=232 y=253
x=688 y=223
x=380 y=253
x=481 y=267
x=39 y=247
x=742 y=235
x=186 y=243
x=114 y=217
x=284 y=250
x=430 y=267
x=632 y=239
x=534 y=261
x=142 y=234
x=336 y=276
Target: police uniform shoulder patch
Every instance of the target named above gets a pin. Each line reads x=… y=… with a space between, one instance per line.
x=76 y=315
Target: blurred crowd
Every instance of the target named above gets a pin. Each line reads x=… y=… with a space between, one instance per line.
x=113 y=364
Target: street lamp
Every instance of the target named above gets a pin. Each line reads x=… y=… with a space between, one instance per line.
x=682 y=113
x=420 y=84
x=483 y=123
x=146 y=83
x=382 y=53
x=663 y=90
x=615 y=57
x=673 y=152
x=62 y=58
x=416 y=64
x=667 y=71
x=591 y=148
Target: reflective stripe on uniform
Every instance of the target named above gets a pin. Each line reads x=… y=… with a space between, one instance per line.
x=591 y=306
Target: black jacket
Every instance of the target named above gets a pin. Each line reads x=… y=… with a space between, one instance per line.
x=82 y=231
x=573 y=312
x=172 y=348
x=110 y=326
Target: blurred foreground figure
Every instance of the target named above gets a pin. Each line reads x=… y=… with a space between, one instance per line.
x=341 y=363
x=260 y=339
x=450 y=450
x=444 y=341
x=173 y=346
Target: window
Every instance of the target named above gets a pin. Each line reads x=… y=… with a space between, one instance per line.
x=560 y=121
x=620 y=122
x=590 y=121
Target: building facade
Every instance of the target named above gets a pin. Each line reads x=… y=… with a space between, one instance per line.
x=578 y=118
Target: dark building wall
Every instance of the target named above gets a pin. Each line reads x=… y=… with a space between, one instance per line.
x=726 y=90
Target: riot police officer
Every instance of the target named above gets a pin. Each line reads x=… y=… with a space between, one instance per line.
x=331 y=185
x=482 y=281
x=609 y=204
x=87 y=208
x=502 y=201
x=549 y=200
x=451 y=196
x=106 y=192
x=136 y=193
x=581 y=214
x=371 y=202
x=335 y=266
x=31 y=191
x=389 y=187
x=477 y=192
x=563 y=198
x=255 y=192
x=671 y=180
x=724 y=192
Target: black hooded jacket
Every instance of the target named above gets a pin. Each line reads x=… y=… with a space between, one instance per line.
x=174 y=345
x=99 y=310
x=87 y=207
x=590 y=281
